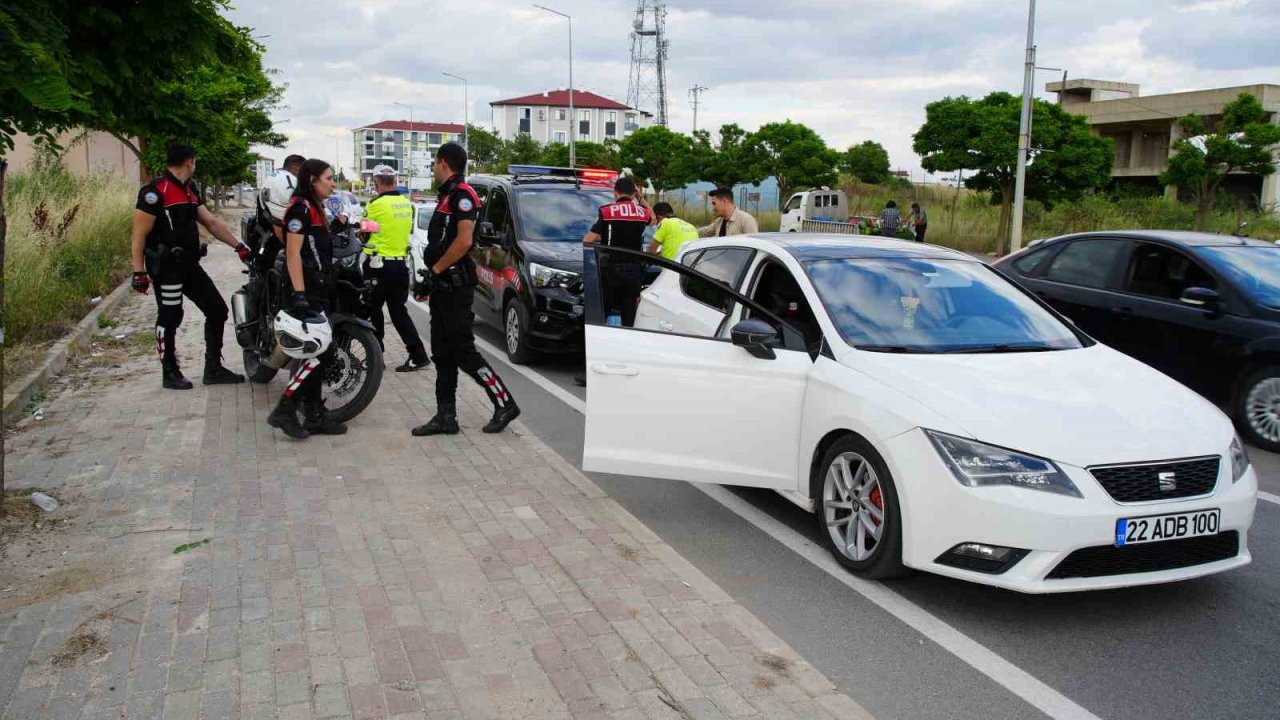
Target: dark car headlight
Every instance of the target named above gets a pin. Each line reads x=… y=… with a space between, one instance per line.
x=544 y=277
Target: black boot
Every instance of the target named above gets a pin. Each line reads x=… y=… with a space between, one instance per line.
x=505 y=408
x=172 y=376
x=502 y=417
x=318 y=421
x=580 y=380
x=216 y=374
x=285 y=417
x=444 y=423
x=414 y=364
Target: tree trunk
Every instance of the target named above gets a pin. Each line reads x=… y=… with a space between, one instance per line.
x=4 y=226
x=1006 y=215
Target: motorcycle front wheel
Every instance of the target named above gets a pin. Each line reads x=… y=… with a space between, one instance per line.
x=354 y=373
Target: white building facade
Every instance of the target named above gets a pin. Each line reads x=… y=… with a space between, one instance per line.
x=545 y=117
x=409 y=147
x=263 y=168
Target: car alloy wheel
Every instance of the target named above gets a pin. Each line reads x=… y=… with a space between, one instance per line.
x=853 y=506
x=1261 y=412
x=513 y=329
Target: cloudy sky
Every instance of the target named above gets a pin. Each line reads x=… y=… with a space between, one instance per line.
x=851 y=69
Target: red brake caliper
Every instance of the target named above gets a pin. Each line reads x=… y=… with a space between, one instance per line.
x=877 y=501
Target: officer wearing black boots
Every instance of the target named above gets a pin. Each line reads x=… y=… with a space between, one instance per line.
x=448 y=283
x=166 y=252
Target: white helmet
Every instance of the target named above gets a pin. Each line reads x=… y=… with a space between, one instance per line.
x=303 y=338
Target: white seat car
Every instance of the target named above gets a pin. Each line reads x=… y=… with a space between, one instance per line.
x=929 y=411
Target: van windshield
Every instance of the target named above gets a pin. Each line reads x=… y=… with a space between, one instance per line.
x=560 y=214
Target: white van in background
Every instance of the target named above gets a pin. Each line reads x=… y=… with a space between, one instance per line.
x=824 y=207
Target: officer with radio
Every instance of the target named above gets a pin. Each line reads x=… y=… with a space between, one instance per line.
x=448 y=282
x=385 y=267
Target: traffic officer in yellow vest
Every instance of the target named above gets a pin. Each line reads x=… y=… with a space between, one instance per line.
x=386 y=267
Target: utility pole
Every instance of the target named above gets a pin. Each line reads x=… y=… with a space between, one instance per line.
x=695 y=92
x=466 y=114
x=409 y=141
x=573 y=119
x=1024 y=132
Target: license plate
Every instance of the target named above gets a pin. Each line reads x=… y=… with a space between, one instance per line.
x=1154 y=528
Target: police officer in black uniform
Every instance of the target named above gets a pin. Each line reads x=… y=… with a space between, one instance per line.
x=621 y=224
x=167 y=251
x=448 y=281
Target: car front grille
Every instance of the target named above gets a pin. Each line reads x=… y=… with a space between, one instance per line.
x=1158 y=481
x=1105 y=560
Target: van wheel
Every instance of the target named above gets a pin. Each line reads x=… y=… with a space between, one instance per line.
x=859 y=518
x=1257 y=408
x=515 y=328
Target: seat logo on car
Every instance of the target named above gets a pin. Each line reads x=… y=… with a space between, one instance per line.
x=1168 y=481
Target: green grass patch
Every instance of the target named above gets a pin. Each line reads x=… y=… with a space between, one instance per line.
x=190 y=546
x=105 y=322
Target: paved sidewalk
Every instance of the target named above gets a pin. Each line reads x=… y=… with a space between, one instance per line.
x=365 y=576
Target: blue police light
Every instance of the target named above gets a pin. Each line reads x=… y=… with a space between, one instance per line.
x=541 y=170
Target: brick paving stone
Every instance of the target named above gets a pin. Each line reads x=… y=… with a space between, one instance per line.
x=367 y=575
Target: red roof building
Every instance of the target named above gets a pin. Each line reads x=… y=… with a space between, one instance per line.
x=545 y=117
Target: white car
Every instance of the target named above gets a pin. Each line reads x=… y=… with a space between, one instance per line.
x=929 y=411
x=422 y=212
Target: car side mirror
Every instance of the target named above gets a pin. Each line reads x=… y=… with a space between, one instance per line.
x=1200 y=297
x=756 y=336
x=486 y=235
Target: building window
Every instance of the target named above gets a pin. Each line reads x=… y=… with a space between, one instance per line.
x=611 y=124
x=526 y=120
x=562 y=114
x=584 y=124
x=433 y=139
x=632 y=124
x=559 y=136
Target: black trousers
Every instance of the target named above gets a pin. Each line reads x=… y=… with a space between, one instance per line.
x=174 y=281
x=622 y=284
x=920 y=231
x=453 y=348
x=390 y=287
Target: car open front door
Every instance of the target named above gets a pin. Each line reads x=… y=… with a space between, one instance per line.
x=688 y=406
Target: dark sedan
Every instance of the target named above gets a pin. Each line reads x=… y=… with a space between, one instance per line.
x=1201 y=308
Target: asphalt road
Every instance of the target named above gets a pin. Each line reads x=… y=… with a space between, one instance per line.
x=922 y=647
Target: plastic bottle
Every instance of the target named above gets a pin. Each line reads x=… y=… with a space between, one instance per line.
x=44 y=502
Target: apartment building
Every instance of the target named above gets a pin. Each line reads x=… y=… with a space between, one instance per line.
x=409 y=147
x=263 y=168
x=1144 y=128
x=545 y=117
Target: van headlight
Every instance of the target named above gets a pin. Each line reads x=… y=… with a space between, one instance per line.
x=1239 y=459
x=976 y=464
x=544 y=276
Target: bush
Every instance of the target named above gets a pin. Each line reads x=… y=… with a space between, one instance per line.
x=68 y=241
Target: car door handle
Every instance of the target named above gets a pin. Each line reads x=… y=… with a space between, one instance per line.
x=612 y=369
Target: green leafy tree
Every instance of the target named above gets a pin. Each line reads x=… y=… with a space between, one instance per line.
x=555 y=154
x=484 y=148
x=867 y=161
x=589 y=154
x=523 y=150
x=1064 y=158
x=794 y=155
x=659 y=157
x=1239 y=142
x=729 y=160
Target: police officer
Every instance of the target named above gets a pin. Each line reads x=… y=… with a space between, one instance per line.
x=166 y=251
x=448 y=280
x=621 y=224
x=385 y=267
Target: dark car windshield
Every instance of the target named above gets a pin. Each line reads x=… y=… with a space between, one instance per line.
x=561 y=214
x=1255 y=269
x=933 y=306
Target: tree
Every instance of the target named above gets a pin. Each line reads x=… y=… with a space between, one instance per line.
x=1064 y=159
x=523 y=150
x=868 y=162
x=1239 y=142
x=794 y=155
x=484 y=147
x=659 y=157
x=729 y=161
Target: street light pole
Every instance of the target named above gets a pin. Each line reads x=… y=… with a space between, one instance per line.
x=466 y=114
x=573 y=119
x=1024 y=132
x=411 y=143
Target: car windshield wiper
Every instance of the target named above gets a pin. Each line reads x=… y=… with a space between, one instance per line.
x=893 y=349
x=989 y=349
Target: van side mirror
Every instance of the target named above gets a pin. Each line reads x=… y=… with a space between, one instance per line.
x=1200 y=297
x=756 y=337
x=486 y=235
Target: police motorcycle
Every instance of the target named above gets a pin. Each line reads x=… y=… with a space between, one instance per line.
x=352 y=378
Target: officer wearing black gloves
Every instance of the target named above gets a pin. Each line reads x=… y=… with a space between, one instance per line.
x=448 y=282
x=166 y=252
x=308 y=254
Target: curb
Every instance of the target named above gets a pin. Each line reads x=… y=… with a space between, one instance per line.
x=19 y=392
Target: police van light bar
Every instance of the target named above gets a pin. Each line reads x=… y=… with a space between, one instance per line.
x=541 y=170
x=588 y=176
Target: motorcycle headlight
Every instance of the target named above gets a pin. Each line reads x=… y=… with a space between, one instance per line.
x=544 y=276
x=1239 y=459
x=976 y=464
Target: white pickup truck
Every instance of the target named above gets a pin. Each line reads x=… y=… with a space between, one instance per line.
x=821 y=210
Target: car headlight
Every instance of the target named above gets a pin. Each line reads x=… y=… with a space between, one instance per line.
x=1239 y=459
x=976 y=464
x=544 y=276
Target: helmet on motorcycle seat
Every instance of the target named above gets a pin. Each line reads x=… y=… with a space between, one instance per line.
x=303 y=338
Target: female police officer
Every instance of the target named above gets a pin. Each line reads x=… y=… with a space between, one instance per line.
x=309 y=261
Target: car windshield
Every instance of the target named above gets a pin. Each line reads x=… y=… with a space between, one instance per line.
x=910 y=305
x=559 y=214
x=1255 y=269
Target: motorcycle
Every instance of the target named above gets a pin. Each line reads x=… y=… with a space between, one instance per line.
x=352 y=378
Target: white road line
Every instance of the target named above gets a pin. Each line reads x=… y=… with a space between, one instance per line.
x=1010 y=676
x=1265 y=496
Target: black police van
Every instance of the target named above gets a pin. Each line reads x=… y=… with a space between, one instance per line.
x=528 y=254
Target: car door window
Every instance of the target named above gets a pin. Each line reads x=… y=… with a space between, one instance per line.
x=777 y=291
x=1161 y=272
x=725 y=265
x=498 y=212
x=1088 y=263
x=1031 y=262
x=794 y=204
x=424 y=217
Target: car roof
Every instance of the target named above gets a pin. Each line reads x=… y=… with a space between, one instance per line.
x=810 y=247
x=1182 y=238
x=536 y=180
